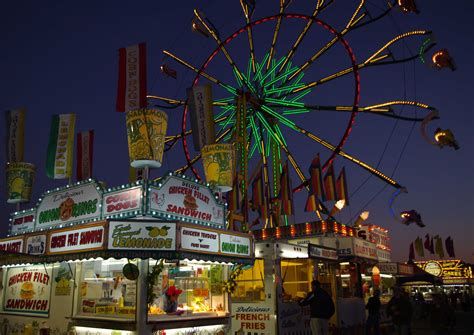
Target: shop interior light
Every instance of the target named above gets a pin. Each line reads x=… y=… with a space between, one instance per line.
x=385 y=275
x=345 y=276
x=362 y=217
x=344 y=263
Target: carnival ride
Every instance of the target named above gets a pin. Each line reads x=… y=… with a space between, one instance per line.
x=259 y=110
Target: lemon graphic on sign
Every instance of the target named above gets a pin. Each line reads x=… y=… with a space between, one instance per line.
x=153 y=231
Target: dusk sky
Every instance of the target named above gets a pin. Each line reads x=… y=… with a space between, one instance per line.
x=62 y=57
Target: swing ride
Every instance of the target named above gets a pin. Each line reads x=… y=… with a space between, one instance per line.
x=259 y=109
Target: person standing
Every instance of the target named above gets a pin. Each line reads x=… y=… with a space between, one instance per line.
x=322 y=308
x=373 y=319
x=400 y=310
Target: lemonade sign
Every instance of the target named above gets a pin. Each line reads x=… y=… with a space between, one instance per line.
x=142 y=235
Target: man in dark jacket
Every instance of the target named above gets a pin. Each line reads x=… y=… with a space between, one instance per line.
x=399 y=308
x=322 y=308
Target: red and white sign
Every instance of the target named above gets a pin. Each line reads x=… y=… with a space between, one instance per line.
x=14 y=244
x=180 y=198
x=383 y=255
x=122 y=201
x=375 y=234
x=23 y=221
x=36 y=244
x=91 y=237
x=364 y=249
x=28 y=290
x=131 y=92
x=199 y=240
x=320 y=252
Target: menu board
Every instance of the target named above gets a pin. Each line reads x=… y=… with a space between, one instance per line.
x=22 y=222
x=14 y=244
x=28 y=290
x=136 y=235
x=88 y=237
x=124 y=202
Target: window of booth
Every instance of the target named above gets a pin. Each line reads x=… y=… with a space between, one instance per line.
x=250 y=285
x=189 y=288
x=296 y=275
x=103 y=291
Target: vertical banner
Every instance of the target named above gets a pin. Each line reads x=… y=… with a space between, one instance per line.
x=329 y=184
x=131 y=91
x=85 y=146
x=341 y=187
x=202 y=118
x=60 y=147
x=15 y=134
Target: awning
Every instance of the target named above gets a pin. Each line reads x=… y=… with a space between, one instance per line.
x=7 y=258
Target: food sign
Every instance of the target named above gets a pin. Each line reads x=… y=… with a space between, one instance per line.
x=199 y=240
x=124 y=202
x=22 y=222
x=36 y=244
x=142 y=235
x=76 y=204
x=315 y=251
x=446 y=269
x=91 y=237
x=14 y=245
x=27 y=290
x=179 y=198
x=235 y=245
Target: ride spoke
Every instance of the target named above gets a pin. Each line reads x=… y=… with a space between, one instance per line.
x=229 y=88
x=247 y=14
x=275 y=32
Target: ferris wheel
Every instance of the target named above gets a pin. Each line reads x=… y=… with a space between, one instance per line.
x=268 y=99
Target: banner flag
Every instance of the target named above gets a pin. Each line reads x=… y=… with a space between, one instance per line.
x=427 y=242
x=131 y=91
x=432 y=249
x=412 y=252
x=419 y=247
x=286 y=192
x=15 y=134
x=449 y=243
x=60 y=147
x=329 y=184
x=316 y=185
x=341 y=187
x=85 y=149
x=439 y=246
x=202 y=116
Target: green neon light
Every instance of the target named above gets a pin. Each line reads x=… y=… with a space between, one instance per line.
x=295 y=111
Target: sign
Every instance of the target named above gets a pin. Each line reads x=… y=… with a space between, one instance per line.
x=383 y=255
x=23 y=222
x=75 y=204
x=124 y=202
x=235 y=245
x=14 y=244
x=199 y=240
x=405 y=269
x=179 y=198
x=142 y=235
x=63 y=280
x=90 y=237
x=320 y=252
x=446 y=269
x=28 y=290
x=364 y=249
x=293 y=319
x=375 y=234
x=388 y=268
x=36 y=244
x=202 y=117
x=253 y=318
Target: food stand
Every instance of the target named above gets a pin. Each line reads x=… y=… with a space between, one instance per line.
x=266 y=297
x=100 y=262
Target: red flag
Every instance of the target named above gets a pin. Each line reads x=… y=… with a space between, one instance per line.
x=341 y=187
x=450 y=247
x=412 y=252
x=85 y=146
x=432 y=249
x=427 y=242
x=329 y=184
x=316 y=184
x=286 y=192
x=131 y=91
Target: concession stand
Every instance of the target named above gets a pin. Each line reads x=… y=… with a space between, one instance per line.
x=287 y=259
x=95 y=261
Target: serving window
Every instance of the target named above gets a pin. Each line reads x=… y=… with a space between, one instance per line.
x=103 y=291
x=250 y=284
x=296 y=276
x=188 y=289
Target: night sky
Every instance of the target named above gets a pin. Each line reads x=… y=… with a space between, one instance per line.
x=62 y=57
